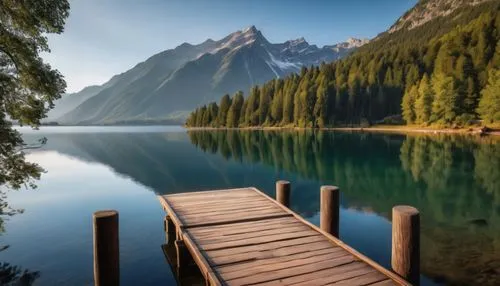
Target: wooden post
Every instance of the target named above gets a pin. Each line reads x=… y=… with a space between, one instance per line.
x=106 y=249
x=170 y=230
x=182 y=254
x=283 y=189
x=406 y=243
x=329 y=209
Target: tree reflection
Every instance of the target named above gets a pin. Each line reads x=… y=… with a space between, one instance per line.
x=11 y=275
x=454 y=181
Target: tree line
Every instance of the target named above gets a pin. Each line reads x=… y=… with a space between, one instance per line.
x=449 y=79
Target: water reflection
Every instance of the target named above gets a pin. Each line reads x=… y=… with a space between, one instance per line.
x=15 y=275
x=453 y=180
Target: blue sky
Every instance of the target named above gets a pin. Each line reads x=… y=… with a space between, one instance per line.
x=106 y=37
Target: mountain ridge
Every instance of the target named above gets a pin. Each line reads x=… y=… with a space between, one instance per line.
x=171 y=83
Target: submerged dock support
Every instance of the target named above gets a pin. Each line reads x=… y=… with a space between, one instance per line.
x=170 y=231
x=106 y=248
x=330 y=210
x=283 y=190
x=405 y=258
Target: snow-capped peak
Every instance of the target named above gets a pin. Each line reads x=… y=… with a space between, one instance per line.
x=250 y=30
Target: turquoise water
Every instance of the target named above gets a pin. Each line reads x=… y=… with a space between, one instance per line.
x=454 y=182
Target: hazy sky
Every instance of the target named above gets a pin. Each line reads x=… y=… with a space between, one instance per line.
x=106 y=37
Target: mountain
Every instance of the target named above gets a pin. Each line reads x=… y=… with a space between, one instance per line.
x=427 y=10
x=170 y=84
x=69 y=101
x=442 y=72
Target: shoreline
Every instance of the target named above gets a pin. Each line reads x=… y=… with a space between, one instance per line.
x=479 y=131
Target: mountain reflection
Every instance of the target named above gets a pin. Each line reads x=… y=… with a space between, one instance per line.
x=453 y=180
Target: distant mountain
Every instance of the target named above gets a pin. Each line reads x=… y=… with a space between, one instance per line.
x=427 y=10
x=68 y=102
x=170 y=84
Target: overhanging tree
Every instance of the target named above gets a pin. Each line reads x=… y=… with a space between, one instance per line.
x=28 y=86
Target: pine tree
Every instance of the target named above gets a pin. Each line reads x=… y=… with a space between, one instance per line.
x=423 y=103
x=224 y=105
x=234 y=113
x=320 y=108
x=408 y=104
x=489 y=106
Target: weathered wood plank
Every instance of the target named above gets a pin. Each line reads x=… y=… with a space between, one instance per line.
x=337 y=274
x=229 y=228
x=200 y=209
x=249 y=233
x=364 y=279
x=218 y=215
x=387 y=282
x=247 y=218
x=252 y=271
x=292 y=271
x=256 y=240
x=274 y=260
x=274 y=246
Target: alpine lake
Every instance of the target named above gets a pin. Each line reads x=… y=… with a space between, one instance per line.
x=454 y=181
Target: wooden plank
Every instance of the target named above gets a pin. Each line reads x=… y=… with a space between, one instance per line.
x=226 y=207
x=166 y=205
x=229 y=228
x=337 y=274
x=306 y=278
x=250 y=230
x=256 y=240
x=207 y=191
x=217 y=203
x=249 y=233
x=364 y=279
x=274 y=246
x=200 y=260
x=257 y=270
x=292 y=271
x=273 y=260
x=259 y=255
x=201 y=222
x=217 y=215
x=387 y=282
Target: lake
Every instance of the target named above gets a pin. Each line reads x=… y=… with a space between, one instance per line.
x=453 y=180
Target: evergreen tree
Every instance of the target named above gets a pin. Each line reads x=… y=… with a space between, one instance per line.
x=408 y=104
x=423 y=103
x=234 y=113
x=489 y=106
x=224 y=105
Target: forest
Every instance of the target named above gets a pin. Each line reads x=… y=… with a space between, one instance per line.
x=444 y=73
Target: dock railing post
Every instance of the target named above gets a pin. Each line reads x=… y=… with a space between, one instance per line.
x=283 y=189
x=330 y=209
x=405 y=258
x=106 y=248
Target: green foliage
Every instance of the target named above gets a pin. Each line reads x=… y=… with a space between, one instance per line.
x=28 y=86
x=489 y=106
x=436 y=73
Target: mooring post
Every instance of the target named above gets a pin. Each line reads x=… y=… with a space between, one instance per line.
x=406 y=243
x=106 y=248
x=330 y=209
x=283 y=189
x=170 y=230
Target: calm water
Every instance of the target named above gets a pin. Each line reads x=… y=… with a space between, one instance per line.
x=453 y=181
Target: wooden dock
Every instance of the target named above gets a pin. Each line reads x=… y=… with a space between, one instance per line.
x=244 y=237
